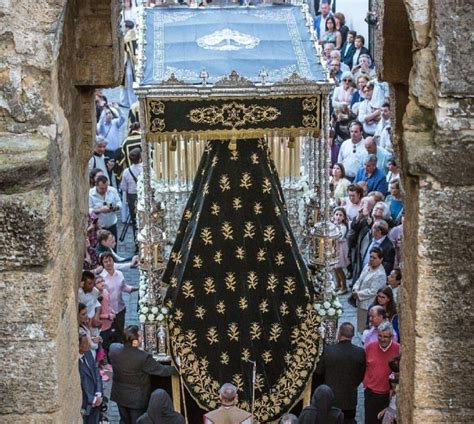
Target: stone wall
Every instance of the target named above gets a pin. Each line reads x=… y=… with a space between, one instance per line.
x=435 y=143
x=51 y=55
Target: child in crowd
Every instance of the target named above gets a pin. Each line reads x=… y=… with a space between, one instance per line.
x=340 y=220
x=389 y=414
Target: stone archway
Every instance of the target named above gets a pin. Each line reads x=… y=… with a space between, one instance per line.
x=425 y=61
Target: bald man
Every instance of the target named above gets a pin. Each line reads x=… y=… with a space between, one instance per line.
x=228 y=413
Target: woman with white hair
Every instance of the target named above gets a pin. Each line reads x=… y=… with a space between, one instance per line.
x=342 y=95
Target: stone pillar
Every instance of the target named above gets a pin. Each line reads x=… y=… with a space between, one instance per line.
x=435 y=142
x=46 y=135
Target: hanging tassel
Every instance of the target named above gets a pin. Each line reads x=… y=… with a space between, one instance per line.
x=173 y=144
x=175 y=388
x=233 y=144
x=291 y=143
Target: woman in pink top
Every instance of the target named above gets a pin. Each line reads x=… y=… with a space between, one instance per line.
x=107 y=314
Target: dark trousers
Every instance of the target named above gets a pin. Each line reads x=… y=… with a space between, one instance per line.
x=113 y=230
x=132 y=207
x=373 y=404
x=129 y=415
x=93 y=417
x=119 y=324
x=349 y=416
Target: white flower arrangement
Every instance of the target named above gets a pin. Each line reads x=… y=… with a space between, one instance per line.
x=329 y=309
x=149 y=314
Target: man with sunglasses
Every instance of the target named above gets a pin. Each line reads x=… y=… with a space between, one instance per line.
x=353 y=152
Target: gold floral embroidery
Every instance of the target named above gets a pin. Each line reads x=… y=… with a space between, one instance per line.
x=227 y=231
x=300 y=362
x=178 y=315
x=215 y=209
x=284 y=310
x=267 y=356
x=259 y=382
x=246 y=181
x=277 y=211
x=173 y=282
x=233 y=332
x=206 y=236
x=255 y=331
x=234 y=155
x=272 y=282
x=238 y=382
x=224 y=183
x=280 y=259
x=224 y=358
x=156 y=107
x=310 y=104
x=249 y=230
x=254 y=158
x=188 y=289
x=220 y=307
x=269 y=233
x=176 y=257
x=299 y=312
x=205 y=189
x=215 y=159
x=187 y=214
x=197 y=262
x=209 y=285
x=266 y=186
x=233 y=115
x=240 y=253
x=243 y=304
x=212 y=335
x=275 y=332
x=230 y=281
x=263 y=306
x=200 y=312
x=257 y=208
x=252 y=280
x=236 y=203
x=261 y=255
x=218 y=257
x=289 y=286
x=288 y=239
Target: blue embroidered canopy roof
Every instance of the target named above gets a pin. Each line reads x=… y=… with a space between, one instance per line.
x=184 y=41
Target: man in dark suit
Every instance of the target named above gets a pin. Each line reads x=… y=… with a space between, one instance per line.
x=91 y=383
x=348 y=49
x=131 y=387
x=342 y=367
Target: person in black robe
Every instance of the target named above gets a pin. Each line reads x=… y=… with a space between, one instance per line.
x=160 y=410
x=321 y=410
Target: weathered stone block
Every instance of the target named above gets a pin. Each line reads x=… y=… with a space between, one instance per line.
x=29 y=377
x=23 y=221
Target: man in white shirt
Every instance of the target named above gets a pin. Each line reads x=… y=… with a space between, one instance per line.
x=89 y=295
x=108 y=127
x=383 y=131
x=105 y=201
x=228 y=411
x=98 y=156
x=371 y=279
x=368 y=114
x=129 y=183
x=116 y=286
x=353 y=152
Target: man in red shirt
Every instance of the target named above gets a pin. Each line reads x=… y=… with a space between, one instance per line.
x=377 y=386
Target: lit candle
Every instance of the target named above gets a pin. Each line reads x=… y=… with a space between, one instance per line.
x=321 y=250
x=155 y=255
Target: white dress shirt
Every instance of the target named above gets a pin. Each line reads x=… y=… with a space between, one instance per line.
x=351 y=160
x=97 y=201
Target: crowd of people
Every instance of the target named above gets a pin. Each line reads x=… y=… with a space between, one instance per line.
x=368 y=212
